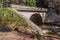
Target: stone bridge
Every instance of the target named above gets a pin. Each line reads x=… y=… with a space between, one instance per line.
x=30 y=12
x=32 y=15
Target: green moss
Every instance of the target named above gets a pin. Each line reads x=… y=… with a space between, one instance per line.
x=0 y=1
x=10 y=19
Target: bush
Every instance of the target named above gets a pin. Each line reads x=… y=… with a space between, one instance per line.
x=10 y=19
x=31 y=2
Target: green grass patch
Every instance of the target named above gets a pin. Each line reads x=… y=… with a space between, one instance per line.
x=10 y=19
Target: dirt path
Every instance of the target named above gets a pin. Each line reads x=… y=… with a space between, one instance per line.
x=14 y=36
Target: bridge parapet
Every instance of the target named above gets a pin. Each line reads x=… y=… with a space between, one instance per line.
x=27 y=8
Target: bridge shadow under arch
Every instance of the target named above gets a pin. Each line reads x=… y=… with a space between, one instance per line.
x=37 y=19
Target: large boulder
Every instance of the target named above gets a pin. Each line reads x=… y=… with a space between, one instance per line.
x=54 y=4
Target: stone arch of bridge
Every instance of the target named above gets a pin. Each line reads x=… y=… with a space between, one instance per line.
x=36 y=18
